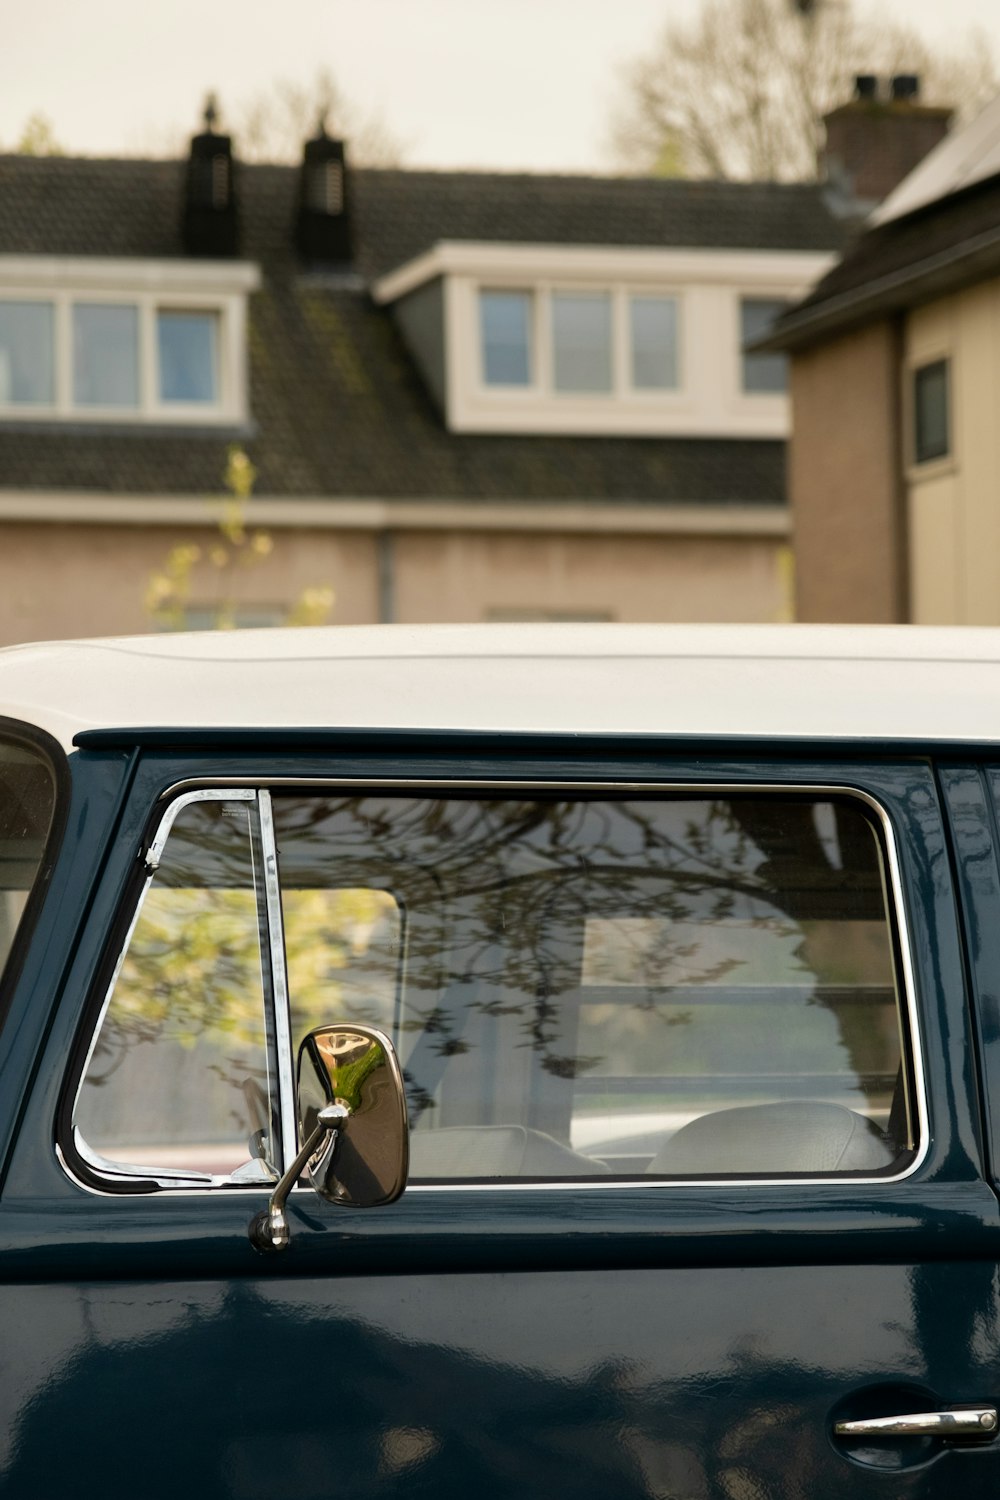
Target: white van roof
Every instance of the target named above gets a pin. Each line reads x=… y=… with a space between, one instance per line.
x=769 y=682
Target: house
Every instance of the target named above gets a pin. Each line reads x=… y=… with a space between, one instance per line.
x=467 y=395
x=895 y=367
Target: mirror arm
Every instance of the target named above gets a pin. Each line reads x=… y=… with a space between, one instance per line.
x=269 y=1229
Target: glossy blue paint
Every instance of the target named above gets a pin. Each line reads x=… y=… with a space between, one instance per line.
x=680 y=1341
x=98 y=788
x=971 y=792
x=642 y=1384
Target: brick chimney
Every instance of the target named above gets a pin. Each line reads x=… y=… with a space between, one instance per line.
x=210 y=225
x=878 y=137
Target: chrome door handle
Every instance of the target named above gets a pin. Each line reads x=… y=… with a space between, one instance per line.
x=965 y=1421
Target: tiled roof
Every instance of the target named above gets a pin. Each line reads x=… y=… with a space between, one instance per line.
x=338 y=408
x=79 y=206
x=937 y=248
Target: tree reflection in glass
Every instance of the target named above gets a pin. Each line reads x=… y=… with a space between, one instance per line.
x=179 y=1073
x=597 y=971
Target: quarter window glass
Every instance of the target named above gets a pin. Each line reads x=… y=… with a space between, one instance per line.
x=181 y=1074
x=930 y=410
x=762 y=372
x=581 y=339
x=505 y=329
x=105 y=354
x=26 y=354
x=27 y=804
x=187 y=352
x=671 y=987
x=653 y=329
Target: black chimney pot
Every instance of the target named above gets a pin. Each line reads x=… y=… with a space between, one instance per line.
x=323 y=225
x=905 y=87
x=210 y=225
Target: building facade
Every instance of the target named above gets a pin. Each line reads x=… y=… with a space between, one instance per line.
x=466 y=396
x=895 y=364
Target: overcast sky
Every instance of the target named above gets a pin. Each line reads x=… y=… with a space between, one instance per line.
x=488 y=83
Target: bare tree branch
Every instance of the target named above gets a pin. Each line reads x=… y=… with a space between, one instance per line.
x=740 y=91
x=272 y=124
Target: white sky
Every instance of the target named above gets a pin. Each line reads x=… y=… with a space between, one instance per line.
x=489 y=83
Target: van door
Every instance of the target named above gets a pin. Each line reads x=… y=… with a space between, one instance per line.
x=696 y=1182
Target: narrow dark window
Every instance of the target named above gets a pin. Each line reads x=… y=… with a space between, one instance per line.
x=762 y=373
x=931 y=434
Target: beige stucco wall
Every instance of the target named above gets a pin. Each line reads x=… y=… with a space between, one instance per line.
x=954 y=502
x=63 y=579
x=58 y=581
x=844 y=486
x=460 y=576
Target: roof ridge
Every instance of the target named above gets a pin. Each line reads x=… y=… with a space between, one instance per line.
x=480 y=174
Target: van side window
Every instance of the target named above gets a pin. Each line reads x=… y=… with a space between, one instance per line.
x=656 y=987
x=180 y=1081
x=665 y=986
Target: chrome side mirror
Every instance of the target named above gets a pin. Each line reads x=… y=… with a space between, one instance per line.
x=352 y=1126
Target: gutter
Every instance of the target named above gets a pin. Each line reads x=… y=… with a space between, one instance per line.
x=373 y=515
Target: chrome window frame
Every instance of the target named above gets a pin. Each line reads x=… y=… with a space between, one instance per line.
x=251 y=788
x=277 y=1000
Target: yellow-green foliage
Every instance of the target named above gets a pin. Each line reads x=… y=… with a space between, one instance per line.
x=237 y=549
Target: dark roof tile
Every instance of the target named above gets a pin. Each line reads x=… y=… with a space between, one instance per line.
x=80 y=206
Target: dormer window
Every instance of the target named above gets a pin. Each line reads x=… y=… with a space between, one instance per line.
x=84 y=353
x=581 y=341
x=588 y=342
x=653 y=335
x=593 y=340
x=187 y=347
x=105 y=354
x=27 y=354
x=506 y=336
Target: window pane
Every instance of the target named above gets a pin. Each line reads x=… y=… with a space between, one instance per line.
x=762 y=372
x=179 y=1077
x=581 y=335
x=505 y=328
x=344 y=948
x=26 y=353
x=653 y=328
x=27 y=804
x=577 y=988
x=187 y=350
x=930 y=403
x=226 y=616
x=105 y=355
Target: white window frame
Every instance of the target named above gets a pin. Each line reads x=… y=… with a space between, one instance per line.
x=708 y=286
x=542 y=386
x=149 y=286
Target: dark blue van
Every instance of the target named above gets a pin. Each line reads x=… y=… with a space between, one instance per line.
x=505 y=1062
